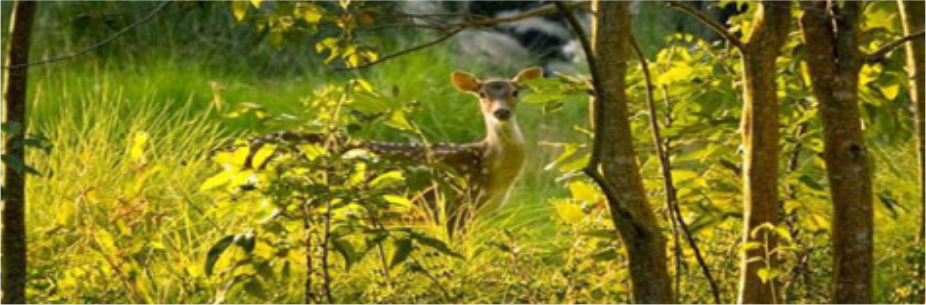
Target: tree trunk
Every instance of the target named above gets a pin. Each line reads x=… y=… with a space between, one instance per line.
x=630 y=210
x=760 y=143
x=14 y=180
x=834 y=61
x=912 y=15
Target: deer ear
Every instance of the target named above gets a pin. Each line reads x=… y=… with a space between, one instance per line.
x=528 y=74
x=464 y=82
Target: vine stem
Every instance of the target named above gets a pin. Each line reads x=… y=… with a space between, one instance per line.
x=666 y=167
x=309 y=296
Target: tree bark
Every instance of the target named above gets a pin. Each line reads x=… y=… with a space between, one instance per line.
x=831 y=34
x=912 y=14
x=13 y=233
x=760 y=142
x=630 y=211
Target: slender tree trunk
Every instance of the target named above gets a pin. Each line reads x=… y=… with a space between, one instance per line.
x=14 y=180
x=630 y=210
x=834 y=61
x=760 y=143
x=912 y=14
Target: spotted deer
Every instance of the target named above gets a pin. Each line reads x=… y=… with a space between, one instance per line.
x=490 y=166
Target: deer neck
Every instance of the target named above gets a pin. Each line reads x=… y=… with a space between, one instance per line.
x=503 y=137
x=504 y=149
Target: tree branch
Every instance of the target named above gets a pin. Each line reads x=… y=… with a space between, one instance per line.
x=707 y=21
x=98 y=44
x=887 y=48
x=456 y=28
x=540 y=11
x=596 y=86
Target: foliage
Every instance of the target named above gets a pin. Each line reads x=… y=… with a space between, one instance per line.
x=131 y=205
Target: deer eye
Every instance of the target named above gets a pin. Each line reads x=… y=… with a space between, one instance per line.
x=482 y=94
x=515 y=93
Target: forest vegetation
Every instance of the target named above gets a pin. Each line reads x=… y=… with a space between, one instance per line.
x=207 y=152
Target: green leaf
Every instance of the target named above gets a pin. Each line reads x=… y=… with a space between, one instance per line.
x=810 y=182
x=605 y=255
x=568 y=150
x=216 y=252
x=545 y=97
x=602 y=233
x=399 y=201
x=436 y=244
x=18 y=165
x=106 y=241
x=255 y=288
x=766 y=274
x=403 y=248
x=239 y=9
x=246 y=241
x=346 y=249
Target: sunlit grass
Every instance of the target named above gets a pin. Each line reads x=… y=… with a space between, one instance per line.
x=111 y=225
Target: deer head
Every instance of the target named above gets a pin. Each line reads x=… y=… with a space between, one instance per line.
x=498 y=98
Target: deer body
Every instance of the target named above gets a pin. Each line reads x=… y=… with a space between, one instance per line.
x=490 y=166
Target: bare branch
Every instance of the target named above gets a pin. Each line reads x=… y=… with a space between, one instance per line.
x=406 y=51
x=540 y=11
x=887 y=48
x=707 y=21
x=98 y=44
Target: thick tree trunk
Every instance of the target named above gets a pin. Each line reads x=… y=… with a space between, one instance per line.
x=912 y=14
x=14 y=180
x=630 y=210
x=834 y=61
x=760 y=143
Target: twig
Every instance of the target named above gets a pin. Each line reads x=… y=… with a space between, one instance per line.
x=707 y=21
x=666 y=166
x=887 y=48
x=326 y=248
x=98 y=44
x=406 y=51
x=668 y=184
x=596 y=86
x=423 y=270
x=308 y=294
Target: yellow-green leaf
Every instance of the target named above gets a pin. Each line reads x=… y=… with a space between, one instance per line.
x=262 y=155
x=398 y=201
x=239 y=9
x=570 y=213
x=583 y=191
x=139 y=142
x=216 y=181
x=890 y=91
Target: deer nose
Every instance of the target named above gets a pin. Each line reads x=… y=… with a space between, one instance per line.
x=502 y=114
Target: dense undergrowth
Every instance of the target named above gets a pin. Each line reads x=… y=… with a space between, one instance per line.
x=119 y=212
